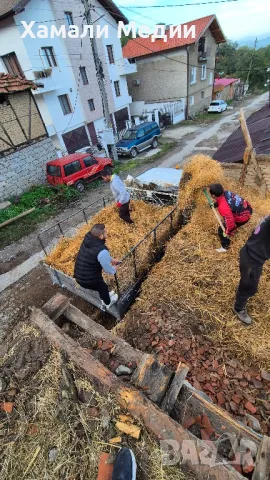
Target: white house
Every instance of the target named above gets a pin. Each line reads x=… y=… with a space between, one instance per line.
x=68 y=97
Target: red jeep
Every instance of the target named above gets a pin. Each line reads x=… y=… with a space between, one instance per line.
x=76 y=169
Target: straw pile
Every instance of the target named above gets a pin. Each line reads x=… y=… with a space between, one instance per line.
x=121 y=236
x=192 y=277
x=50 y=434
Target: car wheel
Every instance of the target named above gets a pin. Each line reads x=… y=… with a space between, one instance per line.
x=133 y=152
x=155 y=143
x=80 y=186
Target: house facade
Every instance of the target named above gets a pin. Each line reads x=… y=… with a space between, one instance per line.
x=68 y=95
x=24 y=143
x=177 y=70
x=226 y=88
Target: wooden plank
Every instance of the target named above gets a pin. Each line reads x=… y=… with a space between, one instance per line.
x=152 y=377
x=246 y=158
x=123 y=351
x=158 y=423
x=262 y=465
x=191 y=403
x=176 y=385
x=56 y=306
x=11 y=220
x=10 y=141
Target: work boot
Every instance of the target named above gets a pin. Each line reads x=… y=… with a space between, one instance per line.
x=111 y=293
x=114 y=299
x=243 y=316
x=124 y=465
x=221 y=250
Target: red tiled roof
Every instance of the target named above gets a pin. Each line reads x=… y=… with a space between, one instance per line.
x=232 y=150
x=140 y=47
x=224 y=82
x=9 y=7
x=11 y=84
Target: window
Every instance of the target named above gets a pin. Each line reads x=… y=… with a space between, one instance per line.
x=140 y=133
x=117 y=88
x=12 y=64
x=110 y=53
x=91 y=104
x=69 y=18
x=191 y=100
x=89 y=161
x=65 y=104
x=201 y=47
x=203 y=74
x=72 y=167
x=84 y=76
x=148 y=129
x=202 y=94
x=193 y=75
x=48 y=57
x=211 y=78
x=53 y=170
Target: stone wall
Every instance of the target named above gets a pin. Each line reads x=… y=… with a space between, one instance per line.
x=25 y=168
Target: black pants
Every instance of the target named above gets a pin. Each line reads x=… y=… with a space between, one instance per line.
x=124 y=213
x=250 y=271
x=101 y=287
x=225 y=241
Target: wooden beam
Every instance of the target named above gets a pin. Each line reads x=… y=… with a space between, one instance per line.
x=152 y=377
x=11 y=220
x=262 y=466
x=246 y=158
x=176 y=385
x=56 y=306
x=30 y=116
x=191 y=404
x=123 y=351
x=10 y=142
x=157 y=422
x=251 y=155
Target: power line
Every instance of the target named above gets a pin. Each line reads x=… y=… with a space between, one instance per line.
x=178 y=5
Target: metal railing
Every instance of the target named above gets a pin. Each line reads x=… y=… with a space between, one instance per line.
x=67 y=225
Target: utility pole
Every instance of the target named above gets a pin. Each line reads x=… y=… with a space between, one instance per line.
x=100 y=74
x=251 y=62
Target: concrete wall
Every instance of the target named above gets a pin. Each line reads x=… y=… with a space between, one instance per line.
x=226 y=94
x=25 y=168
x=165 y=79
x=18 y=131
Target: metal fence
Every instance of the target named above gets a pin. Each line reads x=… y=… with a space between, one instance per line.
x=69 y=225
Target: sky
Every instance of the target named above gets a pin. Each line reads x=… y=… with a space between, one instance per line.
x=239 y=19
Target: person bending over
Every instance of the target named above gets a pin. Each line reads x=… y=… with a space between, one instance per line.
x=235 y=210
x=93 y=257
x=120 y=193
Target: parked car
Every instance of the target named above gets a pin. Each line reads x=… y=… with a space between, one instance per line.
x=139 y=138
x=75 y=170
x=217 y=106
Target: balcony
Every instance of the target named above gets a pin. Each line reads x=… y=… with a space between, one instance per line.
x=124 y=67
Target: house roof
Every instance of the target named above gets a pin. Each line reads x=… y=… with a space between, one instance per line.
x=11 y=7
x=140 y=47
x=232 y=151
x=221 y=83
x=12 y=84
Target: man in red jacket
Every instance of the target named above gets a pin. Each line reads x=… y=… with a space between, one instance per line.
x=235 y=210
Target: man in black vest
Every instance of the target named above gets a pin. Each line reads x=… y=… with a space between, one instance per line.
x=253 y=256
x=94 y=256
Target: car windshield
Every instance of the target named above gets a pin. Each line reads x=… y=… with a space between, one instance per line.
x=129 y=135
x=53 y=170
x=214 y=104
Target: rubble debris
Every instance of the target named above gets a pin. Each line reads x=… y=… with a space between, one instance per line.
x=123 y=370
x=3 y=385
x=53 y=454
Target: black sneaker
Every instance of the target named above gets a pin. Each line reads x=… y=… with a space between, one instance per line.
x=243 y=316
x=124 y=466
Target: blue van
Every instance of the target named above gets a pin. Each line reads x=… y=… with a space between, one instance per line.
x=139 y=138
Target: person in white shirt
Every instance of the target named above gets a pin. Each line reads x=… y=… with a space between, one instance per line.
x=120 y=193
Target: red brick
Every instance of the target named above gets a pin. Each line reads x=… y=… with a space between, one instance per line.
x=105 y=469
x=220 y=398
x=250 y=408
x=204 y=435
x=171 y=343
x=236 y=399
x=207 y=425
x=189 y=422
x=197 y=385
x=233 y=407
x=209 y=387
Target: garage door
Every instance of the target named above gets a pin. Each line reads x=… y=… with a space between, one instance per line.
x=75 y=139
x=120 y=119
